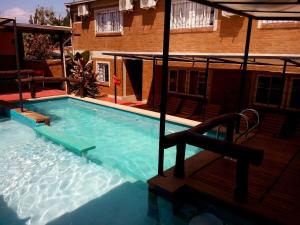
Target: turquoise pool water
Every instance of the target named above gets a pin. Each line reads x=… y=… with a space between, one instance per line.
x=124 y=141
x=43 y=183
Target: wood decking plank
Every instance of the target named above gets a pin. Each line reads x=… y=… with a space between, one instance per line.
x=274 y=187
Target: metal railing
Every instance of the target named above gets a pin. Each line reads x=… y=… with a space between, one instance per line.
x=243 y=155
x=246 y=119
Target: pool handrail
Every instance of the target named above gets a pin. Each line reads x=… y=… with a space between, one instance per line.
x=195 y=136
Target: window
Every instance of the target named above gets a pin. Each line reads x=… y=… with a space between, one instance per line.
x=189 y=82
x=295 y=94
x=109 y=21
x=269 y=90
x=76 y=18
x=102 y=74
x=173 y=81
x=197 y=84
x=187 y=14
x=181 y=88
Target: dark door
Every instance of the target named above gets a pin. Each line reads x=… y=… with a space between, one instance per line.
x=134 y=78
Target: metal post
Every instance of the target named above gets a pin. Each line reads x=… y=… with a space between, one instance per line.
x=206 y=77
x=241 y=186
x=153 y=82
x=245 y=64
x=115 y=74
x=67 y=83
x=180 y=156
x=164 y=85
x=283 y=80
x=62 y=56
x=21 y=48
x=18 y=65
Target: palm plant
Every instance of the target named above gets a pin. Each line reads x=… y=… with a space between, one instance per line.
x=79 y=66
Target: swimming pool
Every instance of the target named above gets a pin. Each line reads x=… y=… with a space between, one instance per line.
x=43 y=183
x=41 y=180
x=124 y=141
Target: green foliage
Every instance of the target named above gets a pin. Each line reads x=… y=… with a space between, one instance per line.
x=40 y=46
x=46 y=16
x=85 y=56
x=80 y=66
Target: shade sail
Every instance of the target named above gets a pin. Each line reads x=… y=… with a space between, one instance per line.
x=258 y=9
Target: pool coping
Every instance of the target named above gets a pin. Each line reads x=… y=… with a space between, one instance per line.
x=144 y=112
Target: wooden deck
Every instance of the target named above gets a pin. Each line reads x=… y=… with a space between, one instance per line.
x=274 y=187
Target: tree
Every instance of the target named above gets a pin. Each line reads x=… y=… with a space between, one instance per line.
x=46 y=16
x=40 y=46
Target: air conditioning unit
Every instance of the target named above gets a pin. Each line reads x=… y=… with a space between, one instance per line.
x=125 y=5
x=227 y=14
x=147 y=4
x=83 y=10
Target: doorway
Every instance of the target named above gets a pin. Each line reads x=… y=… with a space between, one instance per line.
x=134 y=78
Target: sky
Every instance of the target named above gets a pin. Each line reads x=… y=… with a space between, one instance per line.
x=22 y=9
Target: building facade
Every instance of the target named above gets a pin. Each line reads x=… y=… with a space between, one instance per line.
x=106 y=26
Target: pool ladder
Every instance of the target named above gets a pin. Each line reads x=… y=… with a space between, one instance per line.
x=247 y=119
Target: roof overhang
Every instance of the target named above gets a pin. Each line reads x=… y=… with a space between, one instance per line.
x=229 y=58
x=34 y=28
x=258 y=9
x=69 y=4
x=4 y=21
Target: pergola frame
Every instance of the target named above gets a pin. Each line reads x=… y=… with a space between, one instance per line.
x=7 y=21
x=288 y=61
x=18 y=29
x=230 y=6
x=257 y=9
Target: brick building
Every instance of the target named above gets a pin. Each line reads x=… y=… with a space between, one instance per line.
x=105 y=26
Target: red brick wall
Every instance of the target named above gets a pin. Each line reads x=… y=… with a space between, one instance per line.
x=143 y=31
x=7 y=46
x=109 y=89
x=51 y=68
x=7 y=51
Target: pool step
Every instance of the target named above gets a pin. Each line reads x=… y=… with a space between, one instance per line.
x=37 y=117
x=71 y=143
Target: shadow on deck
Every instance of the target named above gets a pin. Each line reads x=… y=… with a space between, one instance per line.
x=274 y=186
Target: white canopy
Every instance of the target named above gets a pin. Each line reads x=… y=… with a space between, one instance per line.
x=258 y=9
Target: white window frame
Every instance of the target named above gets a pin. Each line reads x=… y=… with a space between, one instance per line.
x=105 y=83
x=112 y=9
x=278 y=21
x=187 y=81
x=265 y=23
x=255 y=92
x=188 y=24
x=290 y=94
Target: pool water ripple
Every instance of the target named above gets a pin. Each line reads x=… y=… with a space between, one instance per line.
x=42 y=181
x=124 y=141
